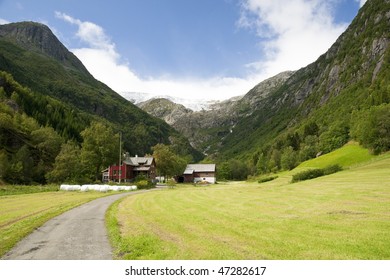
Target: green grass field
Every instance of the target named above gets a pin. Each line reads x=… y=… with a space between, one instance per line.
x=341 y=216
x=21 y=214
x=350 y=155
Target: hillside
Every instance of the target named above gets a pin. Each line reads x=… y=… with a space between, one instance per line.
x=37 y=60
x=352 y=75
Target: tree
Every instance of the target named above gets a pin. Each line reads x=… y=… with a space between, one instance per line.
x=238 y=169
x=289 y=158
x=67 y=165
x=168 y=163
x=274 y=162
x=310 y=129
x=335 y=137
x=21 y=167
x=100 y=148
x=372 y=128
x=48 y=144
x=3 y=164
x=262 y=164
x=309 y=148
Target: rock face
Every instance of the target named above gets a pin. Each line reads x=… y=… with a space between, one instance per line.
x=208 y=127
x=165 y=109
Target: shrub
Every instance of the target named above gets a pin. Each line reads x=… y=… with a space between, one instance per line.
x=314 y=173
x=307 y=175
x=267 y=179
x=144 y=184
x=332 y=169
x=171 y=183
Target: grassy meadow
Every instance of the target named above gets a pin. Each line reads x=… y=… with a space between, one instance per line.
x=20 y=214
x=345 y=215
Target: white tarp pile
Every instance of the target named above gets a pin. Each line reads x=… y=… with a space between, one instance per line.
x=99 y=188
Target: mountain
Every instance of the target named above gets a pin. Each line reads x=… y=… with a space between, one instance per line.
x=206 y=129
x=165 y=109
x=353 y=75
x=295 y=116
x=195 y=104
x=57 y=90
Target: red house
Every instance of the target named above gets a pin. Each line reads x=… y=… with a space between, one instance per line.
x=131 y=168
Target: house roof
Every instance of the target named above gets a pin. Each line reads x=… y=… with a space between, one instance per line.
x=188 y=171
x=138 y=161
x=142 y=168
x=200 y=168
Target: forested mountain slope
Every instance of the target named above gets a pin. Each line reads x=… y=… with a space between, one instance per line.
x=43 y=86
x=344 y=94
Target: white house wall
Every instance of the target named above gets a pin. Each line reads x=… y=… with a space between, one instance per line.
x=208 y=179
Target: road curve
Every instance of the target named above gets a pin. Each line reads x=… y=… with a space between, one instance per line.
x=78 y=234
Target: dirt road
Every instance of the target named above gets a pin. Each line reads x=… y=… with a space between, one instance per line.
x=79 y=234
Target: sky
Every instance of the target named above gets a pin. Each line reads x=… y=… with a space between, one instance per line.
x=189 y=49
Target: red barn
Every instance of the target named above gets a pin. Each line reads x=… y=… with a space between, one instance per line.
x=131 y=168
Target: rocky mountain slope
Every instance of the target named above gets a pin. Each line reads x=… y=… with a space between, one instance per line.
x=207 y=128
x=165 y=109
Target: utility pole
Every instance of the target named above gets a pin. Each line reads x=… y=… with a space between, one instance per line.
x=120 y=156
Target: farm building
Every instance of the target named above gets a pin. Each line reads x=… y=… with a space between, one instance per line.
x=131 y=168
x=198 y=172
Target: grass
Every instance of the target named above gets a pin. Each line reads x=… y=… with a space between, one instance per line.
x=21 y=214
x=345 y=215
x=350 y=155
x=22 y=189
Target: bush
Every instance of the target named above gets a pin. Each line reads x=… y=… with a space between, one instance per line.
x=307 y=175
x=332 y=169
x=144 y=184
x=267 y=179
x=314 y=173
x=171 y=183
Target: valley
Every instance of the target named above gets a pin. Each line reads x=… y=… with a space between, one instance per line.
x=343 y=216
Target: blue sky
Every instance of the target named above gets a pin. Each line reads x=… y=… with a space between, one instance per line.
x=192 y=49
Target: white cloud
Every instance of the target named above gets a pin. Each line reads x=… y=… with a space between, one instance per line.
x=104 y=63
x=4 y=21
x=362 y=2
x=294 y=33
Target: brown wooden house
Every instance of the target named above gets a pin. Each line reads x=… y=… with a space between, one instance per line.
x=199 y=172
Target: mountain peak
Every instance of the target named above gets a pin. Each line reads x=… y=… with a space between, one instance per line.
x=37 y=37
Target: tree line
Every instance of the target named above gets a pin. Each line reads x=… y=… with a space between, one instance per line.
x=43 y=140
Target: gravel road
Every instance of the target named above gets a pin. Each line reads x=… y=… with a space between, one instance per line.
x=79 y=234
